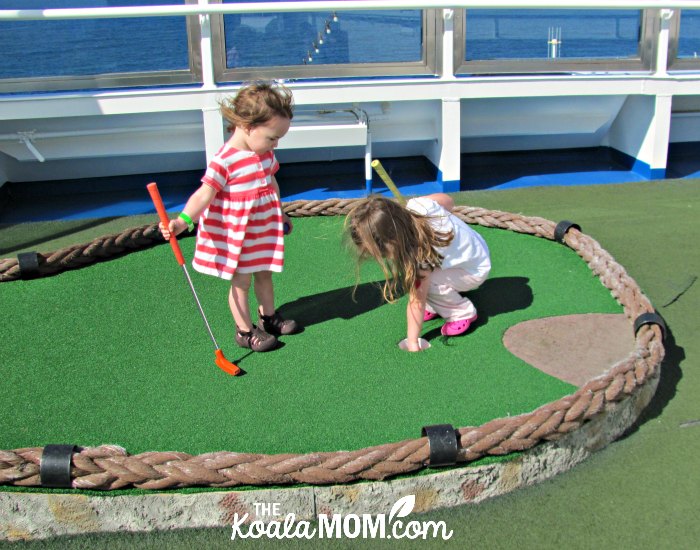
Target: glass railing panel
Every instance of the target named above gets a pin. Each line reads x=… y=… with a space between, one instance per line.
x=689 y=37
x=537 y=40
x=325 y=44
x=76 y=50
x=543 y=34
x=303 y=38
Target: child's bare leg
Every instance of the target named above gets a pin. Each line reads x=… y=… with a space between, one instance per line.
x=270 y=320
x=238 y=301
x=265 y=292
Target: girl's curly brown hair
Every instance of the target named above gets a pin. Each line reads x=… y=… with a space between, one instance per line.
x=256 y=103
x=401 y=241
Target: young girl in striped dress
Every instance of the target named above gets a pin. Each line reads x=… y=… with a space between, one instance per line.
x=240 y=235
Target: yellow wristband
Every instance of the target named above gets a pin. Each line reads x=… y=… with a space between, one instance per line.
x=184 y=217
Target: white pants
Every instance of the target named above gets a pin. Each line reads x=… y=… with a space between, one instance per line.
x=444 y=296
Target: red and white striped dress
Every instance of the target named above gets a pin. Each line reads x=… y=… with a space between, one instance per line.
x=241 y=230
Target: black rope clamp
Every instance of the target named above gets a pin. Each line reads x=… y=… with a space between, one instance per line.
x=54 y=468
x=28 y=265
x=442 y=439
x=650 y=318
x=561 y=229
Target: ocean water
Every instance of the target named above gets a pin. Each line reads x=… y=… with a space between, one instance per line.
x=89 y=47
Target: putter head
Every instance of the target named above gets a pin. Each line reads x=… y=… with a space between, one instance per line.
x=225 y=365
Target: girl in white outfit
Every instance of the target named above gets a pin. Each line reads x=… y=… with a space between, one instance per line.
x=427 y=251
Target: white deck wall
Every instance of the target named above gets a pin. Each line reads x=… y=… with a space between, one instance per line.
x=446 y=119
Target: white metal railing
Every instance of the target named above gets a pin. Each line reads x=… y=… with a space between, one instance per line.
x=337 y=5
x=29 y=138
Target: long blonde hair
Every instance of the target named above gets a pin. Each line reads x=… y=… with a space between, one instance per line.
x=401 y=241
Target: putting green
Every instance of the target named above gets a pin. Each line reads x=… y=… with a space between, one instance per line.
x=117 y=353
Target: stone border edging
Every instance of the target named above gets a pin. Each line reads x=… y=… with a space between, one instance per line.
x=39 y=516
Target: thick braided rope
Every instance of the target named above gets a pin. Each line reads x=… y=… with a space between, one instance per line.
x=111 y=467
x=81 y=255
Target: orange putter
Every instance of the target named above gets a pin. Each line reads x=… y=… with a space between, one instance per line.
x=221 y=361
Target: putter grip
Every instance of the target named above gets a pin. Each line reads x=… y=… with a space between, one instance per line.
x=386 y=179
x=163 y=215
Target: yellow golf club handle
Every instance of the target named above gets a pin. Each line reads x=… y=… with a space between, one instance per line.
x=387 y=180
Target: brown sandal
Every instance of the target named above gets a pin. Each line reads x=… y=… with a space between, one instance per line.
x=277 y=325
x=256 y=339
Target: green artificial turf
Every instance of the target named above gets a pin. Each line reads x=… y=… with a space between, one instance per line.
x=641 y=492
x=117 y=353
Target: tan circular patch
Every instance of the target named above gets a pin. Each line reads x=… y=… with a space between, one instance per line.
x=573 y=348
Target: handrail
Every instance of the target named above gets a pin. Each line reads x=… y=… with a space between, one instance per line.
x=333 y=5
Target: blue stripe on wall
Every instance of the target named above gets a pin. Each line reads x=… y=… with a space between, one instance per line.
x=120 y=196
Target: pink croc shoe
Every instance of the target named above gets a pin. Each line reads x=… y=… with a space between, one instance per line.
x=429 y=315
x=453 y=328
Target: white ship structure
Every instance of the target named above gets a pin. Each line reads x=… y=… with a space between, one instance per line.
x=440 y=105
